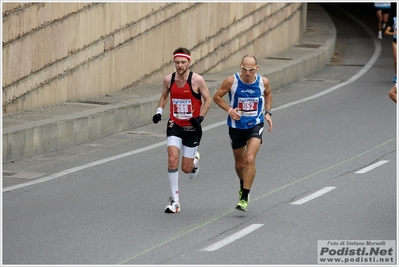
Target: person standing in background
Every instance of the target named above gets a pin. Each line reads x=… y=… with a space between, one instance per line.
x=382 y=10
x=391 y=31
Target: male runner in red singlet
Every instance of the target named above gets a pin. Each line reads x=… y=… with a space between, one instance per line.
x=184 y=132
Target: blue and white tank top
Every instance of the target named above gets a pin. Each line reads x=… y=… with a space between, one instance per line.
x=249 y=98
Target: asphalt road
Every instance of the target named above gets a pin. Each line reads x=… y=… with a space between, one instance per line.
x=103 y=202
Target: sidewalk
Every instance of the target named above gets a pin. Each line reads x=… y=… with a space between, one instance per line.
x=48 y=129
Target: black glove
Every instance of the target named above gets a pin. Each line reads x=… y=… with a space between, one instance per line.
x=157 y=117
x=196 y=122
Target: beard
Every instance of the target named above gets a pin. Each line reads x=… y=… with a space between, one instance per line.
x=181 y=71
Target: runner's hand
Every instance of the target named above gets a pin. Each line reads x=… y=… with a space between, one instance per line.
x=156 y=118
x=196 y=122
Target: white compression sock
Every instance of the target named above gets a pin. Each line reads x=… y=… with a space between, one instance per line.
x=174 y=184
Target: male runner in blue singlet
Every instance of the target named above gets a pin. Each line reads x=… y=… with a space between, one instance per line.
x=250 y=105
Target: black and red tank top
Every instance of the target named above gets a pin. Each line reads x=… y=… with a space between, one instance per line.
x=184 y=102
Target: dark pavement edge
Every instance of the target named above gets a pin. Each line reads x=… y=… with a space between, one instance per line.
x=56 y=127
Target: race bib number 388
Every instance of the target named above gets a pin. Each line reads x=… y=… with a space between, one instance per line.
x=248 y=106
x=182 y=108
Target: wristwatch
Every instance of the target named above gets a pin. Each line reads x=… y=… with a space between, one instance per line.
x=268 y=112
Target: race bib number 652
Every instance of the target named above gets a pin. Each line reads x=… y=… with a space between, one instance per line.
x=248 y=106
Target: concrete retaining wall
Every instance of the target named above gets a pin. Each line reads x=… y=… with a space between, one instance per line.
x=55 y=52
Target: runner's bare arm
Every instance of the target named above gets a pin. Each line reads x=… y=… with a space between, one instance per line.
x=165 y=92
x=222 y=91
x=268 y=102
x=267 y=94
x=203 y=89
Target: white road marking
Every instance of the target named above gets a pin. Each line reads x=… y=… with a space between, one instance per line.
x=372 y=166
x=233 y=237
x=82 y=167
x=361 y=72
x=369 y=64
x=313 y=196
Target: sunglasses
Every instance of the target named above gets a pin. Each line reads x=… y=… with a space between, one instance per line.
x=248 y=69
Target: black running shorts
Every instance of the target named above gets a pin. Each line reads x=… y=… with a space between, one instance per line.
x=239 y=137
x=190 y=136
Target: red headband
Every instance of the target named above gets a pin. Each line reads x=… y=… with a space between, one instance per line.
x=182 y=55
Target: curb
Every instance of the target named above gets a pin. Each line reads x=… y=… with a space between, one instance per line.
x=35 y=138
